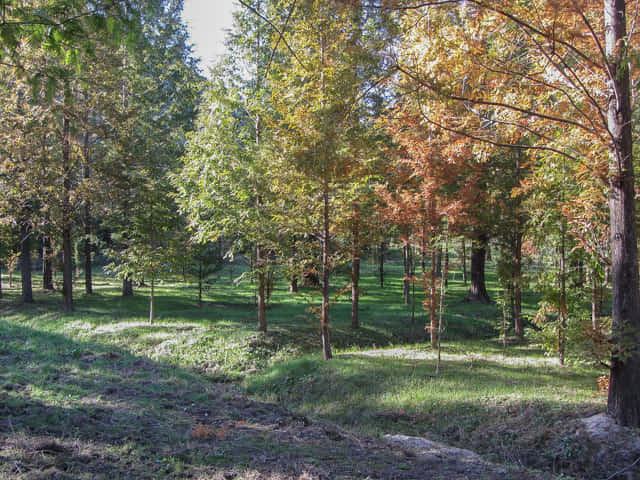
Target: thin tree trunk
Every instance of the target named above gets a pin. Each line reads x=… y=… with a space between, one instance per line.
x=624 y=387
x=47 y=273
x=262 y=309
x=433 y=325
x=595 y=303
x=200 y=276
x=86 y=150
x=517 y=289
x=355 y=277
x=442 y=294
x=562 y=314
x=88 y=280
x=478 y=291
x=406 y=258
x=439 y=262
x=67 y=270
x=67 y=253
x=446 y=264
x=381 y=264
x=152 y=298
x=25 y=263
x=326 y=252
x=413 y=293
x=88 y=277
x=504 y=322
x=293 y=284
x=76 y=262
x=464 y=261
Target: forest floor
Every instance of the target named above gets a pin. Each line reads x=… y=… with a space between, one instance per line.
x=102 y=394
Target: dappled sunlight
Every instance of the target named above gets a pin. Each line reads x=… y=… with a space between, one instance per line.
x=119 y=326
x=409 y=354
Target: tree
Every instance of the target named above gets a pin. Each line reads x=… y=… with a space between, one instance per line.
x=232 y=149
x=581 y=52
x=320 y=93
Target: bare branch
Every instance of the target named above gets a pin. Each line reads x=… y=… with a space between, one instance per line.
x=277 y=30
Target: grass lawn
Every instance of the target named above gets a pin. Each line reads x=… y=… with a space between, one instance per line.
x=57 y=369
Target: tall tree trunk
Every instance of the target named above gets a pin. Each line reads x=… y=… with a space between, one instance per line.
x=478 y=291
x=200 y=278
x=439 y=262
x=47 y=271
x=67 y=254
x=446 y=264
x=406 y=258
x=516 y=280
x=433 y=293
x=67 y=270
x=624 y=387
x=413 y=293
x=88 y=280
x=88 y=276
x=442 y=294
x=152 y=299
x=464 y=261
x=262 y=309
x=595 y=303
x=381 y=264
x=76 y=262
x=562 y=311
x=326 y=252
x=127 y=286
x=355 y=276
x=293 y=284
x=25 y=262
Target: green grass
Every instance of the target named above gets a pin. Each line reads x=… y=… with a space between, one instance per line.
x=54 y=365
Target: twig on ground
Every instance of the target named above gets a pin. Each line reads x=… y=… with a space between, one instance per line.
x=629 y=467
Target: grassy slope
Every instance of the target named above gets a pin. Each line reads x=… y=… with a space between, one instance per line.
x=509 y=410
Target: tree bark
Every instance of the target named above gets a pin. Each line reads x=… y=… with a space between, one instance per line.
x=624 y=387
x=326 y=252
x=47 y=271
x=446 y=265
x=596 y=302
x=355 y=277
x=381 y=264
x=76 y=262
x=464 y=261
x=562 y=310
x=516 y=279
x=152 y=299
x=67 y=270
x=88 y=279
x=433 y=325
x=200 y=276
x=262 y=309
x=88 y=276
x=127 y=287
x=67 y=254
x=25 y=262
x=478 y=291
x=406 y=282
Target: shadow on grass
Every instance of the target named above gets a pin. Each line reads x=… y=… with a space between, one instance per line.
x=83 y=410
x=510 y=413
